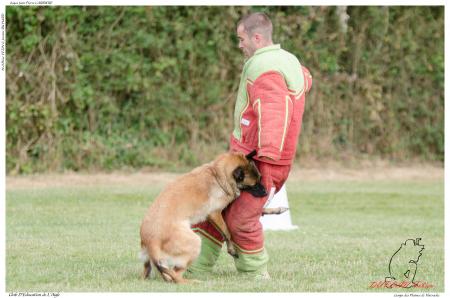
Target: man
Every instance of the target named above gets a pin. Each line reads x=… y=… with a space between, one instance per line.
x=267 y=117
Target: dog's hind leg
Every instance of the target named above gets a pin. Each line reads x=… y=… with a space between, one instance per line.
x=180 y=272
x=178 y=254
x=169 y=275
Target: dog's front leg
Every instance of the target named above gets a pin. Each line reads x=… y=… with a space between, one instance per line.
x=217 y=220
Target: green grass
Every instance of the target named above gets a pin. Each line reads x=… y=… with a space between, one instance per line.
x=86 y=239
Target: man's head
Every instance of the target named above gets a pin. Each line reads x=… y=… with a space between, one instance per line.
x=254 y=32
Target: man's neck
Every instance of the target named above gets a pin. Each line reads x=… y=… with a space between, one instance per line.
x=266 y=44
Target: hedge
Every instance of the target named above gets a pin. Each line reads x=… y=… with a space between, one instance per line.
x=105 y=88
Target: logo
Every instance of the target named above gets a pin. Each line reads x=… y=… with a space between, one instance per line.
x=403 y=267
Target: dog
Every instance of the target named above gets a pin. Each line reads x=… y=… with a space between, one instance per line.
x=167 y=241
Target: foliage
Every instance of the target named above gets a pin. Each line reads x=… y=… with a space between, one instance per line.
x=92 y=88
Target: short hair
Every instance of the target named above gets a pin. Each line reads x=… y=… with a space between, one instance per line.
x=257 y=22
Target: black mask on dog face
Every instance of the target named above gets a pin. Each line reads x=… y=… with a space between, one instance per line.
x=257 y=190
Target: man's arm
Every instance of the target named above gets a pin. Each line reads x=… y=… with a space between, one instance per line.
x=271 y=102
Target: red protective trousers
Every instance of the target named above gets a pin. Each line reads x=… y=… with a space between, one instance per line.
x=242 y=215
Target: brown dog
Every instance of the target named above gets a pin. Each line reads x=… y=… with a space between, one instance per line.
x=167 y=240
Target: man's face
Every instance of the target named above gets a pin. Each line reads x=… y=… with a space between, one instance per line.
x=246 y=44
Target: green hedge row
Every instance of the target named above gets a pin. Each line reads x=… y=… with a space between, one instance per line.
x=102 y=88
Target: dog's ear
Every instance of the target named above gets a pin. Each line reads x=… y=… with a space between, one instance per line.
x=250 y=155
x=238 y=174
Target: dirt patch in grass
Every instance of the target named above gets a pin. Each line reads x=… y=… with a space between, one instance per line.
x=378 y=173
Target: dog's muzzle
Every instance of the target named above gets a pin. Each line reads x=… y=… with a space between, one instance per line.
x=258 y=190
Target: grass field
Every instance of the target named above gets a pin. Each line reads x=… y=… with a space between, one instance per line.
x=85 y=237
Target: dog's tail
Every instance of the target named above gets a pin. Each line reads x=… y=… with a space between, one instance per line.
x=145 y=258
x=277 y=210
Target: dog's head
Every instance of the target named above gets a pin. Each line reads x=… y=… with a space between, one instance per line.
x=246 y=174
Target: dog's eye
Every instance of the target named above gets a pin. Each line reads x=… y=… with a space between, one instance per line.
x=238 y=174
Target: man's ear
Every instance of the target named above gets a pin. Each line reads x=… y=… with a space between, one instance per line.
x=238 y=174
x=257 y=37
